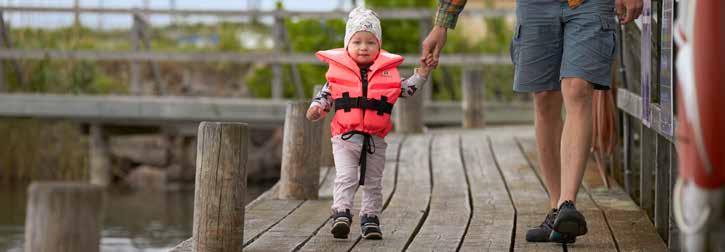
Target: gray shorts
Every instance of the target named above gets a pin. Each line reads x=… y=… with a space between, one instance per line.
x=552 y=41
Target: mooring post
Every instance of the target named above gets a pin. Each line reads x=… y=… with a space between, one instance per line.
x=63 y=216
x=472 y=102
x=299 y=178
x=221 y=185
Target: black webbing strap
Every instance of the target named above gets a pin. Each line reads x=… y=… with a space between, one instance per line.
x=346 y=103
x=368 y=146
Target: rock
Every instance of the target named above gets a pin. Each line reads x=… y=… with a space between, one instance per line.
x=147 y=178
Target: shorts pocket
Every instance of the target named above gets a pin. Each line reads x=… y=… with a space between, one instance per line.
x=514 y=45
x=608 y=35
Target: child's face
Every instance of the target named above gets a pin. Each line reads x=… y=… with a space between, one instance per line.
x=363 y=47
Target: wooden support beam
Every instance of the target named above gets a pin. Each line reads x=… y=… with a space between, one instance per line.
x=257 y=58
x=408 y=13
x=63 y=216
x=425 y=25
x=221 y=185
x=99 y=156
x=662 y=186
x=326 y=159
x=277 y=73
x=299 y=178
x=472 y=103
x=136 y=87
x=648 y=163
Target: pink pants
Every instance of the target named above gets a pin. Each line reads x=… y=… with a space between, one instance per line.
x=347 y=157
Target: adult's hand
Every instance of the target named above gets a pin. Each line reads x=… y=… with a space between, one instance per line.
x=628 y=10
x=432 y=46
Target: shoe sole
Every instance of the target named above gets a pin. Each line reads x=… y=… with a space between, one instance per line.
x=570 y=226
x=340 y=230
x=561 y=238
x=373 y=236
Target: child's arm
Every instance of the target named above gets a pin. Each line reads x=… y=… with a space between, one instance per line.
x=410 y=85
x=320 y=105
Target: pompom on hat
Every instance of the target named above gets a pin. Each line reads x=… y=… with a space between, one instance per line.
x=363 y=19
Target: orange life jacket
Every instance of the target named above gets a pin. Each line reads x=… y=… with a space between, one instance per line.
x=346 y=84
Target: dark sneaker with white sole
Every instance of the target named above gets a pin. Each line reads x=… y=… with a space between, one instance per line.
x=341 y=221
x=569 y=222
x=370 y=227
x=543 y=233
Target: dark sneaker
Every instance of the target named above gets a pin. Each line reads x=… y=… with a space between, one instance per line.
x=543 y=233
x=341 y=224
x=370 y=227
x=569 y=221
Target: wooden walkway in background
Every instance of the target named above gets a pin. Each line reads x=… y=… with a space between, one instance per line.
x=454 y=190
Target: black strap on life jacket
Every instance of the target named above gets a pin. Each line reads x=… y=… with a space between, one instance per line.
x=346 y=103
x=368 y=146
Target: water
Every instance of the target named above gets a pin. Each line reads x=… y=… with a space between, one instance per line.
x=132 y=221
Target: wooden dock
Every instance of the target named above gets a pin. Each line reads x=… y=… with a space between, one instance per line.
x=450 y=190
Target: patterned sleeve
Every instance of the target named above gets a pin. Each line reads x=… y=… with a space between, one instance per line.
x=448 y=11
x=323 y=98
x=410 y=85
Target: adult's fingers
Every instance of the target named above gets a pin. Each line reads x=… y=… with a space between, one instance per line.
x=619 y=8
x=630 y=15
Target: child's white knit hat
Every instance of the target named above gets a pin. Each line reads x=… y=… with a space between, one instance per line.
x=362 y=19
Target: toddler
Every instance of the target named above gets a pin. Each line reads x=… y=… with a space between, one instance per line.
x=362 y=85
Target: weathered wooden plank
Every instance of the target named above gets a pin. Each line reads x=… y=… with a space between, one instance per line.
x=631 y=103
x=492 y=221
x=211 y=57
x=529 y=197
x=408 y=206
x=409 y=13
x=450 y=208
x=295 y=229
x=648 y=163
x=662 y=187
x=323 y=241
x=599 y=237
x=144 y=110
x=264 y=212
x=630 y=226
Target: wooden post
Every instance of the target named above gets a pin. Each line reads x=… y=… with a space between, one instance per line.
x=145 y=39
x=408 y=114
x=277 y=84
x=99 y=156
x=647 y=164
x=135 y=68
x=6 y=42
x=326 y=159
x=299 y=178
x=63 y=216
x=662 y=187
x=425 y=25
x=221 y=184
x=627 y=151
x=472 y=102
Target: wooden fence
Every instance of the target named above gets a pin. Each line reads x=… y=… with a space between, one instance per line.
x=645 y=98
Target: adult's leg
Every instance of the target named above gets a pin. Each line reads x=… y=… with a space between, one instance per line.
x=548 y=125
x=576 y=136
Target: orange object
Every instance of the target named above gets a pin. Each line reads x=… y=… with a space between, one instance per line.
x=701 y=129
x=574 y=3
x=345 y=80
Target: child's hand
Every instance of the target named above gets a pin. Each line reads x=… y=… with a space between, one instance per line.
x=424 y=70
x=314 y=113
